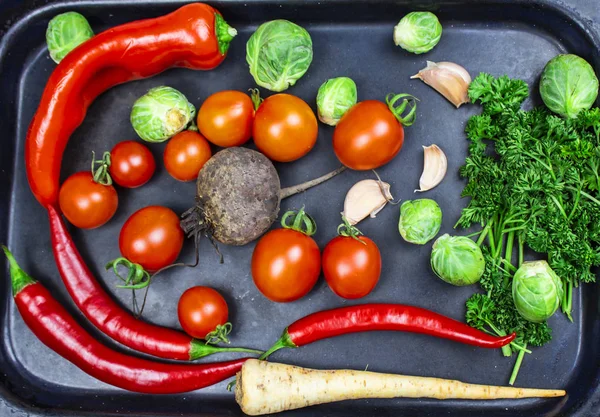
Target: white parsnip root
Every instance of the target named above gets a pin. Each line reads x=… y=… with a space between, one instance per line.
x=265 y=387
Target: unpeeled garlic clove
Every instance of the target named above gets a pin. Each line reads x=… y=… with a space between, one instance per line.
x=435 y=165
x=447 y=78
x=366 y=198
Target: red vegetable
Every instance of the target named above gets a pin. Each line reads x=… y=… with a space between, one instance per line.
x=371 y=317
x=370 y=134
x=286 y=262
x=131 y=164
x=51 y=323
x=104 y=313
x=351 y=263
x=203 y=313
x=185 y=155
x=225 y=118
x=194 y=36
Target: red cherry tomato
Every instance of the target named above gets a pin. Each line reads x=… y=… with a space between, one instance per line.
x=151 y=237
x=132 y=164
x=351 y=267
x=225 y=118
x=285 y=128
x=368 y=136
x=285 y=265
x=86 y=203
x=185 y=155
x=201 y=310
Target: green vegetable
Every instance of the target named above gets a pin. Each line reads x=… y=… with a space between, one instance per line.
x=568 y=85
x=279 y=53
x=420 y=220
x=533 y=180
x=537 y=291
x=161 y=113
x=457 y=260
x=418 y=32
x=65 y=32
x=334 y=99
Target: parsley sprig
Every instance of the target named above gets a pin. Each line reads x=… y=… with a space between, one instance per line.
x=533 y=180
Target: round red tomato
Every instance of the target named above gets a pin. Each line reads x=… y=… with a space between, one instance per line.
x=225 y=118
x=131 y=164
x=351 y=267
x=285 y=265
x=368 y=136
x=201 y=310
x=285 y=128
x=151 y=237
x=85 y=203
x=185 y=154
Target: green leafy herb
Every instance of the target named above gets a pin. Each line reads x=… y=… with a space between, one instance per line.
x=533 y=180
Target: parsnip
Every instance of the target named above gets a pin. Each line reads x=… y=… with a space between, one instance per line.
x=265 y=387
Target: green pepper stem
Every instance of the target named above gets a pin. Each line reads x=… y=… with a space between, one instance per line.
x=284 y=342
x=224 y=33
x=199 y=349
x=19 y=278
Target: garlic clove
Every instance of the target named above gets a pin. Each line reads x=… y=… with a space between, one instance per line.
x=366 y=198
x=447 y=78
x=435 y=165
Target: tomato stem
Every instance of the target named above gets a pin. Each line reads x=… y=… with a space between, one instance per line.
x=408 y=101
x=219 y=334
x=256 y=98
x=100 y=174
x=347 y=230
x=301 y=222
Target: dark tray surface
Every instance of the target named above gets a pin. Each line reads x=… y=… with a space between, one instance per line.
x=517 y=40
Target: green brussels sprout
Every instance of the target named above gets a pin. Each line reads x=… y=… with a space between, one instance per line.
x=161 y=113
x=279 y=53
x=537 y=291
x=457 y=260
x=420 y=220
x=334 y=99
x=568 y=85
x=65 y=32
x=418 y=32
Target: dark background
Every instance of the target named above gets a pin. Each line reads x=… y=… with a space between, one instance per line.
x=353 y=39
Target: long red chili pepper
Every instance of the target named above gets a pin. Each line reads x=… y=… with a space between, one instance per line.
x=99 y=307
x=194 y=36
x=370 y=317
x=51 y=323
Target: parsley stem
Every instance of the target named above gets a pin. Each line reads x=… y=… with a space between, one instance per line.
x=509 y=247
x=513 y=229
x=518 y=362
x=586 y=195
x=483 y=234
x=559 y=205
x=521 y=254
x=491 y=240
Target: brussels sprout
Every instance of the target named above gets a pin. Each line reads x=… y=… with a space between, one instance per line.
x=568 y=85
x=420 y=220
x=279 y=53
x=457 y=260
x=334 y=99
x=65 y=32
x=418 y=32
x=161 y=113
x=536 y=290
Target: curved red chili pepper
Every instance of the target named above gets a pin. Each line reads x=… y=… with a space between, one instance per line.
x=372 y=317
x=194 y=36
x=51 y=323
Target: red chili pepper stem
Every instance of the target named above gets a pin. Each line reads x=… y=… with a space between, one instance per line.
x=408 y=101
x=100 y=174
x=224 y=32
x=284 y=342
x=300 y=222
x=199 y=349
x=19 y=278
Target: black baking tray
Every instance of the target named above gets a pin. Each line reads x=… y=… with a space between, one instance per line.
x=350 y=38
